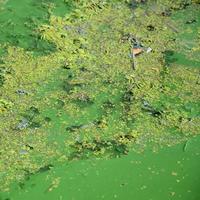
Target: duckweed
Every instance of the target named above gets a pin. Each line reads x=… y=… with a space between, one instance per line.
x=84 y=99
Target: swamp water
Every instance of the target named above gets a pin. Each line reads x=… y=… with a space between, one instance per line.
x=77 y=122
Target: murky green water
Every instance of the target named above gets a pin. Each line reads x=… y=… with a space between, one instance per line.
x=171 y=173
x=20 y=20
x=107 y=169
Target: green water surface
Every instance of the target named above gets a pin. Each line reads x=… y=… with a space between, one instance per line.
x=170 y=173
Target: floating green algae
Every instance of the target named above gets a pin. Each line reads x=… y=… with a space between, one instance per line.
x=142 y=176
x=84 y=99
x=19 y=23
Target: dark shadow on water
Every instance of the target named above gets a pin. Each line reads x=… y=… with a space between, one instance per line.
x=179 y=58
x=169 y=57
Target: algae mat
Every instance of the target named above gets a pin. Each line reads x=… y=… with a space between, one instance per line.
x=171 y=174
x=76 y=104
